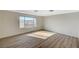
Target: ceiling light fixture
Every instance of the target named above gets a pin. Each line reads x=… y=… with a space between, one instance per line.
x=48 y=10
x=35 y=10
x=51 y=10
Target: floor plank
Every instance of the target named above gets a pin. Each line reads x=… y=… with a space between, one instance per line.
x=55 y=41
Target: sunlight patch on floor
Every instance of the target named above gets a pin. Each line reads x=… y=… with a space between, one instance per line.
x=41 y=34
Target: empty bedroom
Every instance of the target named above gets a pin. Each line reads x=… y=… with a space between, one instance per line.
x=39 y=28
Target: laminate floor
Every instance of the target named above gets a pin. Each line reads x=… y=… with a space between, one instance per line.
x=55 y=41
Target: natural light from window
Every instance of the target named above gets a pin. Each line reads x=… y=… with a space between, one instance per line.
x=27 y=22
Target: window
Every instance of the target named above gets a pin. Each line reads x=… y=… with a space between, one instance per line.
x=27 y=22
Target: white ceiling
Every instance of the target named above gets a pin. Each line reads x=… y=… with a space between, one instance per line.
x=44 y=12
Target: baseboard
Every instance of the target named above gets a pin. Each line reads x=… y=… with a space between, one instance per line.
x=21 y=34
x=63 y=34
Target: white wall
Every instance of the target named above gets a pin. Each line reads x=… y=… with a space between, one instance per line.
x=9 y=24
x=65 y=23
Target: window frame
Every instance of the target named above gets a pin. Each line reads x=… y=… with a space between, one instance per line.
x=34 y=22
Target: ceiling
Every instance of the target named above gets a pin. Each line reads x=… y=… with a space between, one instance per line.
x=44 y=12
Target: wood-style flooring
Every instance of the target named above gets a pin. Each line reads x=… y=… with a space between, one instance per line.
x=55 y=41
